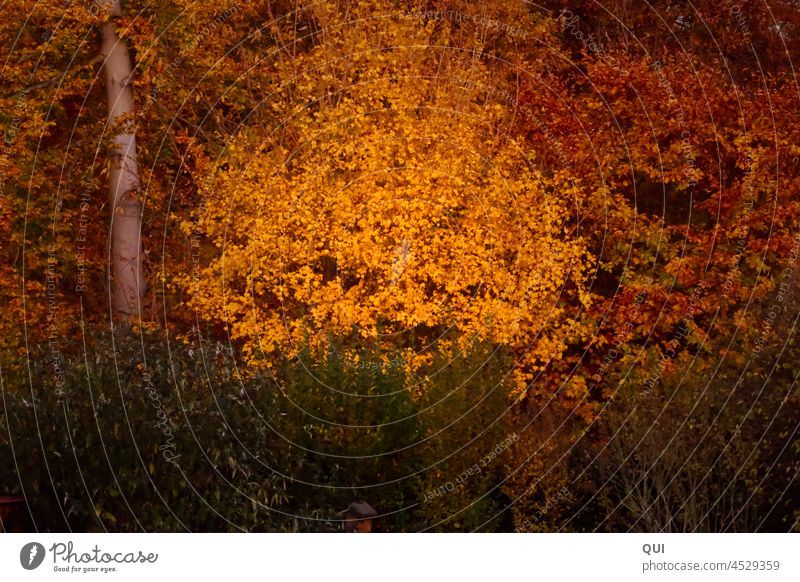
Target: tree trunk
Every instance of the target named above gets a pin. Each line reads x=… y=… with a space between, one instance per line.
x=127 y=273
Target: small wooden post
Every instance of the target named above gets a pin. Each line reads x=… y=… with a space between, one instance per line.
x=358 y=517
x=12 y=515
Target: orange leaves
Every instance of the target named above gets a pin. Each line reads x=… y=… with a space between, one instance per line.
x=391 y=213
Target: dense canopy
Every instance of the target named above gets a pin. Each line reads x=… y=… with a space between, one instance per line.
x=359 y=247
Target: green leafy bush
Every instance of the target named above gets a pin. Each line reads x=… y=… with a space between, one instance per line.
x=141 y=438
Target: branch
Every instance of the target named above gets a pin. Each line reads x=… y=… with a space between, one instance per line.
x=54 y=80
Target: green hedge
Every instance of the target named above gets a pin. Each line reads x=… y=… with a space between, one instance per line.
x=138 y=437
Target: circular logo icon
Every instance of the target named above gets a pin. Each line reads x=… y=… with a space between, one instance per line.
x=31 y=555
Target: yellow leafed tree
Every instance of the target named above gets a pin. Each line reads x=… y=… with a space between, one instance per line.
x=388 y=206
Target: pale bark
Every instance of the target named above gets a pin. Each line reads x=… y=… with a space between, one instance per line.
x=127 y=273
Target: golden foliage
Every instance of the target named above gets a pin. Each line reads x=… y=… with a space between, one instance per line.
x=388 y=204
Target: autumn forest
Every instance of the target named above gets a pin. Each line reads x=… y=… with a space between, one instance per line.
x=461 y=266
